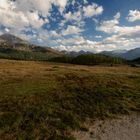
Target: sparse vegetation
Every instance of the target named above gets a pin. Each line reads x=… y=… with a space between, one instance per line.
x=41 y=100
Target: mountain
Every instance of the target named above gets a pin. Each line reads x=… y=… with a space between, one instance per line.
x=132 y=54
x=125 y=54
x=129 y=55
x=11 y=46
x=116 y=53
x=11 y=39
x=12 y=42
x=74 y=54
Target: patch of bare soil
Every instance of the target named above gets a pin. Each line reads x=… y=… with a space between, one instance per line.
x=123 y=128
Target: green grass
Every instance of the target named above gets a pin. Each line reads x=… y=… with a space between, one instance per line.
x=41 y=100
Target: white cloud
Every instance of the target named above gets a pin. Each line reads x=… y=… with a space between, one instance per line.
x=75 y=40
x=120 y=42
x=133 y=15
x=73 y=16
x=5 y=4
x=61 y=3
x=23 y=13
x=42 y=6
x=85 y=47
x=113 y=27
x=110 y=26
x=78 y=43
x=71 y=30
x=18 y=14
x=85 y=2
x=19 y=19
x=7 y=30
x=92 y=10
x=54 y=34
x=98 y=36
x=77 y=18
x=109 y=43
x=117 y=16
x=121 y=36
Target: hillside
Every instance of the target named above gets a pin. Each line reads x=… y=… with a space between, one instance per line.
x=11 y=39
x=114 y=53
x=40 y=100
x=12 y=47
x=132 y=54
x=13 y=42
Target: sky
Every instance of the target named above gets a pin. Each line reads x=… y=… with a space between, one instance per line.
x=74 y=25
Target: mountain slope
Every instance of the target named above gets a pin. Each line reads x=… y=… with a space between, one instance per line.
x=12 y=46
x=132 y=54
x=13 y=42
x=116 y=53
x=11 y=39
x=74 y=54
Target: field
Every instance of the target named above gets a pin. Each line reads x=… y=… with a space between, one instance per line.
x=43 y=100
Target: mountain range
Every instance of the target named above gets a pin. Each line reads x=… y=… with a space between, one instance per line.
x=11 y=42
x=126 y=54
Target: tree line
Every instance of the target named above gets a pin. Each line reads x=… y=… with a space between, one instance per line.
x=89 y=59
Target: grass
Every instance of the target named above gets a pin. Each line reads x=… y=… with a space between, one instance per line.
x=42 y=100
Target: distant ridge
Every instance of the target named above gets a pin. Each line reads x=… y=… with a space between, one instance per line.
x=129 y=55
x=125 y=54
x=132 y=54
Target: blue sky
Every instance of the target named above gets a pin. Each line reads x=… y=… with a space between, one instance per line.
x=74 y=25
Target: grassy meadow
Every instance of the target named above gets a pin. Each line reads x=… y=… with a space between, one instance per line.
x=47 y=101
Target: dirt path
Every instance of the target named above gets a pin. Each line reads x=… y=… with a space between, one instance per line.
x=124 y=128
